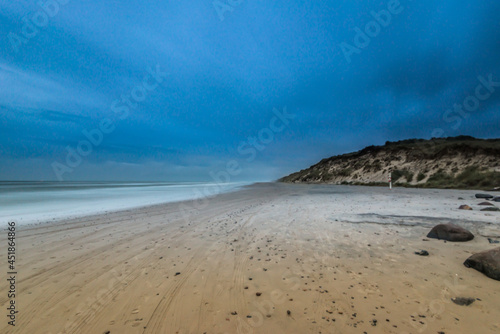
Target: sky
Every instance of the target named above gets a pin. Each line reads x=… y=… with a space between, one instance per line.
x=235 y=90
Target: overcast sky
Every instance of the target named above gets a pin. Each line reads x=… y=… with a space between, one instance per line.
x=269 y=87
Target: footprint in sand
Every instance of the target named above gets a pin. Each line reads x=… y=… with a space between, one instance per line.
x=136 y=322
x=219 y=290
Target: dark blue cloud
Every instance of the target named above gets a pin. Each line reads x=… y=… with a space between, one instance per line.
x=223 y=79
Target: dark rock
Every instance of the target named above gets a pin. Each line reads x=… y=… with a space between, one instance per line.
x=234 y=313
x=450 y=232
x=288 y=312
x=487 y=262
x=493 y=241
x=461 y=198
x=463 y=301
x=258 y=294
x=484 y=196
x=177 y=274
x=485 y=203
x=422 y=253
x=464 y=207
x=491 y=208
x=496 y=199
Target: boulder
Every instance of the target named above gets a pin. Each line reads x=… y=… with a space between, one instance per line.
x=485 y=203
x=496 y=199
x=487 y=262
x=491 y=208
x=450 y=232
x=484 y=196
x=464 y=207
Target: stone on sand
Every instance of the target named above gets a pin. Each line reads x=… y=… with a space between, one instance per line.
x=463 y=301
x=423 y=252
x=484 y=196
x=464 y=207
x=450 y=232
x=485 y=203
x=491 y=208
x=487 y=262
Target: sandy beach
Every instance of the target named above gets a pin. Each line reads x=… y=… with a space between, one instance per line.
x=271 y=258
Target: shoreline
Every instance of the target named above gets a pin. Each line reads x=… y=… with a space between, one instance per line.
x=25 y=207
x=339 y=259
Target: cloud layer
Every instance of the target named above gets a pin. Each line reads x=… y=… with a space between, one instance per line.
x=224 y=77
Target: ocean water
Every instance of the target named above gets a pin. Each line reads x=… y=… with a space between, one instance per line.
x=32 y=202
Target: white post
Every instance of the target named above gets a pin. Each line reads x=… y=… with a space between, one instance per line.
x=390 y=181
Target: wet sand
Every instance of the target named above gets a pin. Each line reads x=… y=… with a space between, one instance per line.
x=271 y=258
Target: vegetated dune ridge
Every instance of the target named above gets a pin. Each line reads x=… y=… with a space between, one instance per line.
x=271 y=258
x=454 y=162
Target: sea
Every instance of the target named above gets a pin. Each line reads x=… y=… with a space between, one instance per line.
x=37 y=202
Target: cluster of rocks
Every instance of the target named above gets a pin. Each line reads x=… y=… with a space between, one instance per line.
x=487 y=262
x=489 y=206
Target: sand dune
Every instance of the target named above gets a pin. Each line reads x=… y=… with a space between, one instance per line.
x=272 y=258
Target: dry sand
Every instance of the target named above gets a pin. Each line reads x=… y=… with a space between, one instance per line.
x=324 y=259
